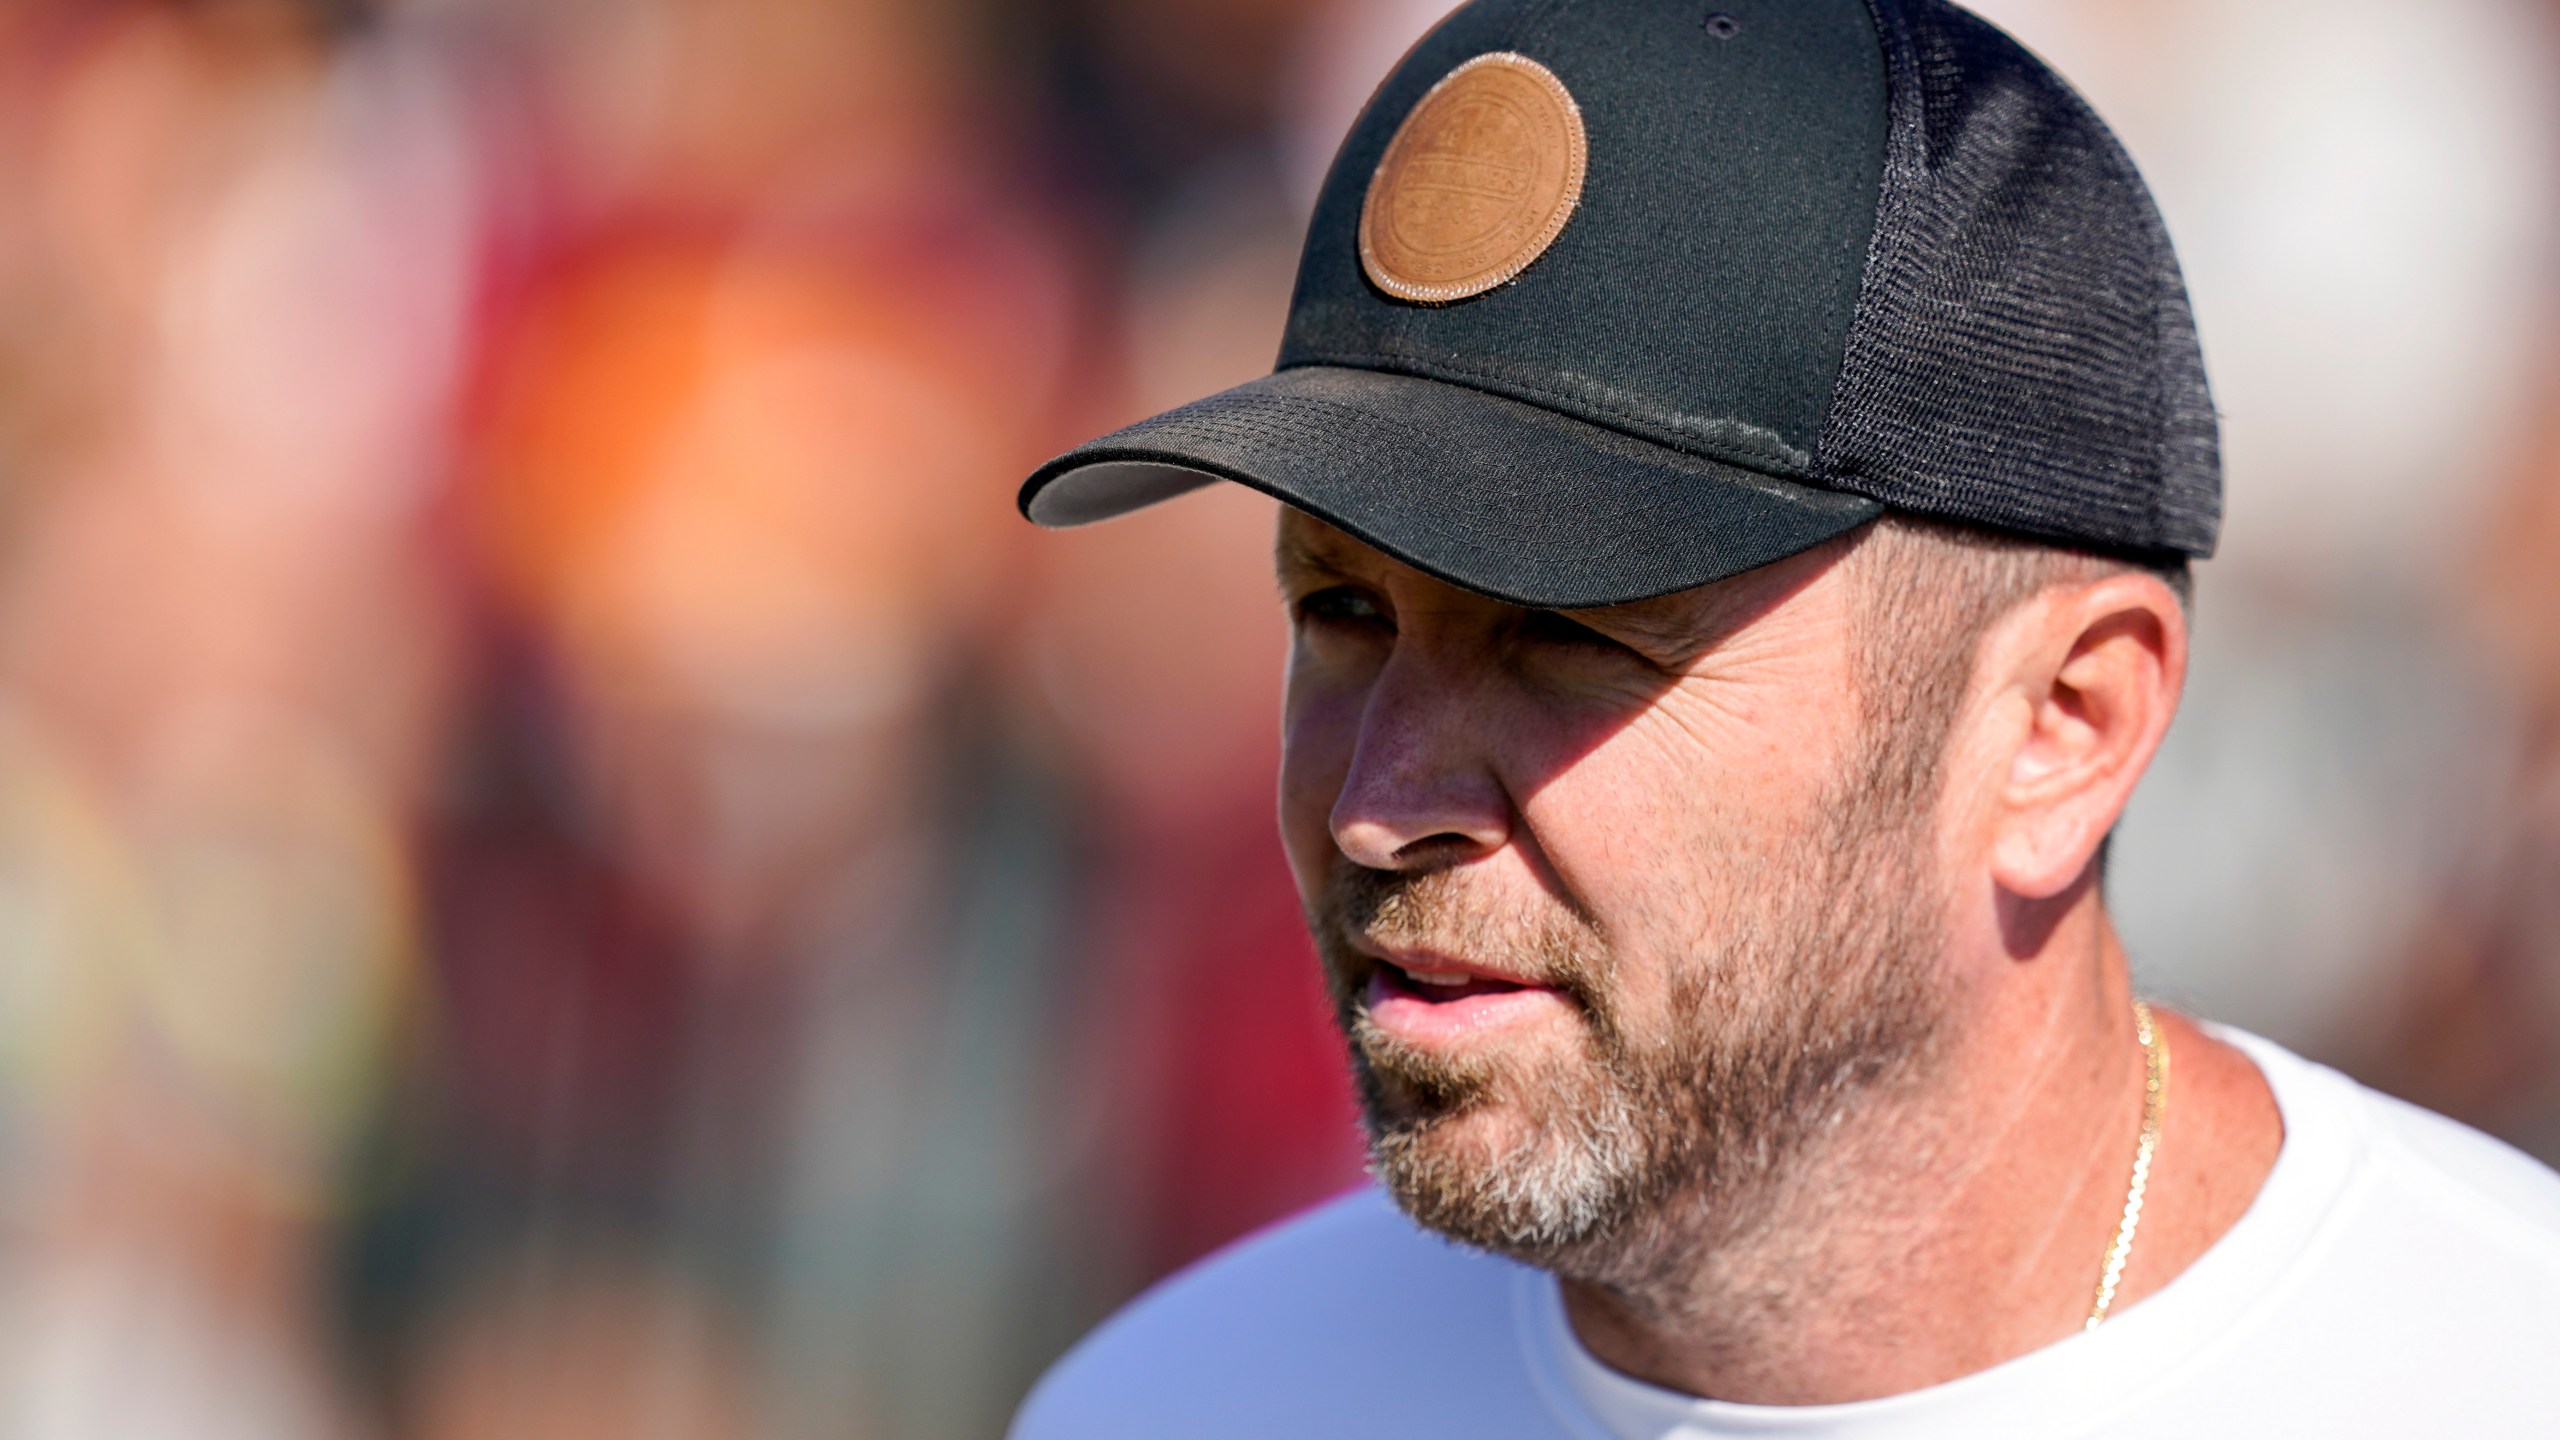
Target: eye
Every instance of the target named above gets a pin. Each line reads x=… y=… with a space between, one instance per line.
x=1341 y=606
x=1550 y=627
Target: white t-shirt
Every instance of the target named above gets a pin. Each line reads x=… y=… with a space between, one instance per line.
x=2397 y=1275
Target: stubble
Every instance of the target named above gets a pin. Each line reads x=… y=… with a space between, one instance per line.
x=1664 y=1136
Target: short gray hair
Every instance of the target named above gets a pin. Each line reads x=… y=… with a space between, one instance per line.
x=1928 y=591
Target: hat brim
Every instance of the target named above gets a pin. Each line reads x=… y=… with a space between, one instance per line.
x=1493 y=495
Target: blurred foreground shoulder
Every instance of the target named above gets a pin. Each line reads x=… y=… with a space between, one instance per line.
x=1345 y=1321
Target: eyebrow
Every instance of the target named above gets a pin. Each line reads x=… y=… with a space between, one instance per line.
x=1292 y=555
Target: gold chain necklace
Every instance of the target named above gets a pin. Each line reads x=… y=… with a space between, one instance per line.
x=2155 y=1103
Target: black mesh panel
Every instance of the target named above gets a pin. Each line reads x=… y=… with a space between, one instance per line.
x=2022 y=354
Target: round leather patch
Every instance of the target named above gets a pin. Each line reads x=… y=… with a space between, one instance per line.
x=1477 y=183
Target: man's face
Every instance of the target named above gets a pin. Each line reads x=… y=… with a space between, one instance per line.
x=1617 y=908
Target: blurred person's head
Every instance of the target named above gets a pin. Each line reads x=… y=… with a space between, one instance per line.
x=754 y=102
x=740 y=487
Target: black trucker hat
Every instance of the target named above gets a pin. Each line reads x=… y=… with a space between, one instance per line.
x=1604 y=299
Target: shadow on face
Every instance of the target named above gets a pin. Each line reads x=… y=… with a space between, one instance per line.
x=1583 y=803
x=1427 y=727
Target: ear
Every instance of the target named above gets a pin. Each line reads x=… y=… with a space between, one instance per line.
x=2089 y=677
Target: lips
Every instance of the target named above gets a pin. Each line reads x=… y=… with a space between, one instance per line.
x=1428 y=1000
x=1440 y=987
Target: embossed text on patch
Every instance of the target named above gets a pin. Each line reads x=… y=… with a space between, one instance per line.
x=1476 y=184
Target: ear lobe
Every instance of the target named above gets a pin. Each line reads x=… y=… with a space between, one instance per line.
x=2100 y=666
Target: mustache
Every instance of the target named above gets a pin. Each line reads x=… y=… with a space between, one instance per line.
x=1440 y=910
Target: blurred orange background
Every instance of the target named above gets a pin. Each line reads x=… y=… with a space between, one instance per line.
x=568 y=868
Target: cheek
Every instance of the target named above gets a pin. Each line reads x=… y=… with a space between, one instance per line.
x=1665 y=829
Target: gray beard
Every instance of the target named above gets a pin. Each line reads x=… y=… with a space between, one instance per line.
x=1645 y=1154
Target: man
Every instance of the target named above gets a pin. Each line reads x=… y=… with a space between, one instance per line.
x=1741 y=469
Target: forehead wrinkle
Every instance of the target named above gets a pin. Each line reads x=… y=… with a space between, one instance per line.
x=1687 y=624
x=1690 y=623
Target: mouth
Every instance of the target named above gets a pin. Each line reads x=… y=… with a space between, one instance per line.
x=1429 y=999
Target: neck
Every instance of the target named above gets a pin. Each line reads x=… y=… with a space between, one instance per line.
x=1961 y=1220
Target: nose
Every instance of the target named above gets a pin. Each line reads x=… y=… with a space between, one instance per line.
x=1421 y=791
